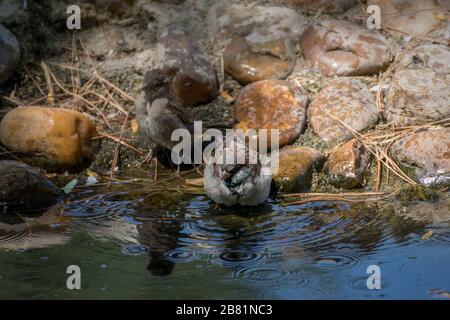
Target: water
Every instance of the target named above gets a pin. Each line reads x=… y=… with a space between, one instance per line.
x=174 y=246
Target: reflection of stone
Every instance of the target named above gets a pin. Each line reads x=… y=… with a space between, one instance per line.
x=420 y=87
x=347 y=165
x=296 y=165
x=428 y=154
x=9 y=54
x=412 y=17
x=345 y=99
x=272 y=104
x=24 y=188
x=338 y=47
x=192 y=75
x=259 y=41
x=54 y=138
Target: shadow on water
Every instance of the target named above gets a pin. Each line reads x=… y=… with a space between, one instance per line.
x=301 y=251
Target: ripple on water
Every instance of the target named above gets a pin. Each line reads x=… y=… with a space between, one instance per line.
x=180 y=255
x=98 y=208
x=134 y=249
x=266 y=274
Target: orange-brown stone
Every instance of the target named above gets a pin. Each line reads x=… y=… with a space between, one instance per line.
x=295 y=168
x=272 y=104
x=347 y=165
x=53 y=138
x=338 y=47
x=259 y=42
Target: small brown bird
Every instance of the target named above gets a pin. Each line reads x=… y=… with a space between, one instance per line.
x=233 y=184
x=158 y=113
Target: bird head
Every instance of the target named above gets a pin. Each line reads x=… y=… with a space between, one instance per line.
x=156 y=84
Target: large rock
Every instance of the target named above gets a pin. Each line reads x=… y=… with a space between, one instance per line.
x=342 y=48
x=52 y=138
x=9 y=54
x=420 y=88
x=259 y=41
x=328 y=6
x=412 y=17
x=24 y=188
x=348 y=100
x=296 y=166
x=272 y=104
x=427 y=153
x=347 y=165
x=193 y=78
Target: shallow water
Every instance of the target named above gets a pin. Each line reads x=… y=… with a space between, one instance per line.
x=167 y=246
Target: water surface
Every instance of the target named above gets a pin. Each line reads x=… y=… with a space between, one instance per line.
x=177 y=246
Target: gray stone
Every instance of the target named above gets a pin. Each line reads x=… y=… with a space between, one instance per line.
x=427 y=154
x=420 y=89
x=24 y=188
x=9 y=54
x=348 y=100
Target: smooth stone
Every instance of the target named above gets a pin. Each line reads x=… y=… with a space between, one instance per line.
x=259 y=41
x=338 y=47
x=412 y=17
x=193 y=78
x=9 y=54
x=296 y=166
x=55 y=139
x=248 y=65
x=326 y=6
x=347 y=165
x=427 y=153
x=348 y=100
x=272 y=104
x=24 y=188
x=419 y=92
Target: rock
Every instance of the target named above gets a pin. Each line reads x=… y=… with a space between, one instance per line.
x=342 y=48
x=170 y=1
x=327 y=6
x=272 y=104
x=12 y=13
x=259 y=41
x=296 y=165
x=116 y=7
x=52 y=138
x=412 y=17
x=427 y=153
x=420 y=88
x=347 y=165
x=193 y=78
x=348 y=100
x=24 y=188
x=9 y=54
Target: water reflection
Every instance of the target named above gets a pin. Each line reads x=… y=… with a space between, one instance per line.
x=278 y=249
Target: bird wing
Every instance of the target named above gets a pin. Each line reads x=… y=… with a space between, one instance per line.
x=181 y=112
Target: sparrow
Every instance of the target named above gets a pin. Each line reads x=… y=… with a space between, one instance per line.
x=158 y=113
x=237 y=184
